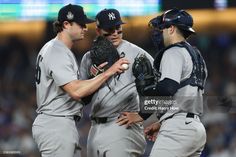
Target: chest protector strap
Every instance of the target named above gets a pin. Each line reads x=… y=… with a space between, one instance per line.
x=198 y=74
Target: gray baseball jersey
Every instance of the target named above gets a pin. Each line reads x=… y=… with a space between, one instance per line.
x=108 y=138
x=176 y=64
x=183 y=134
x=123 y=95
x=58 y=66
x=54 y=128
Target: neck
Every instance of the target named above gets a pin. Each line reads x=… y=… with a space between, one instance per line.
x=177 y=39
x=62 y=36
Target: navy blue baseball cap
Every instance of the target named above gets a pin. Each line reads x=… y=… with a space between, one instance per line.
x=108 y=18
x=73 y=13
x=179 y=18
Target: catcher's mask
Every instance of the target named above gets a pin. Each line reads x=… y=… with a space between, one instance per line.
x=157 y=34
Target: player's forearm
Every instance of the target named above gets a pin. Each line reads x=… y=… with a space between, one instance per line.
x=78 y=89
x=87 y=87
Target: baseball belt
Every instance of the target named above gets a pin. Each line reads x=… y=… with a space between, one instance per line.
x=75 y=117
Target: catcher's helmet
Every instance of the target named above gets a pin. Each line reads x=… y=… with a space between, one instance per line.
x=179 y=18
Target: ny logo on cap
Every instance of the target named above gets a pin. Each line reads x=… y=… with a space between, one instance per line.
x=69 y=15
x=111 y=16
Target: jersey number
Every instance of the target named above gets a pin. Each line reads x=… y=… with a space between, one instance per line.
x=38 y=70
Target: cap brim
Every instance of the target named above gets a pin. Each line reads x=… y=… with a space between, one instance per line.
x=87 y=20
x=112 y=25
x=120 y=23
x=186 y=28
x=191 y=30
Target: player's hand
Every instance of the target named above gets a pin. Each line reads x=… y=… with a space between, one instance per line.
x=96 y=70
x=151 y=131
x=129 y=118
x=101 y=66
x=117 y=67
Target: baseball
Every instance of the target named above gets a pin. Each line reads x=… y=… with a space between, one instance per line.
x=125 y=66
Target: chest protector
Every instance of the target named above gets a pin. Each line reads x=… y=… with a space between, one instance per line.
x=199 y=72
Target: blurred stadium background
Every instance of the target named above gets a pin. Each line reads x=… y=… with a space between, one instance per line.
x=25 y=25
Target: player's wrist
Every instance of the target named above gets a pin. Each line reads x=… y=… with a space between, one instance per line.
x=107 y=74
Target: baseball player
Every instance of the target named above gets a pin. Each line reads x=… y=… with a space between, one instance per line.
x=59 y=91
x=181 y=74
x=119 y=96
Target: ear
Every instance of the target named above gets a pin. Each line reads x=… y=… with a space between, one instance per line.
x=171 y=29
x=98 y=31
x=66 y=24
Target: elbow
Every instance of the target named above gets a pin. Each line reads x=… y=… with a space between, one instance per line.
x=75 y=90
x=76 y=95
x=167 y=87
x=169 y=91
x=80 y=95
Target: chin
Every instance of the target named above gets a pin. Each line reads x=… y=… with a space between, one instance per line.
x=116 y=43
x=80 y=38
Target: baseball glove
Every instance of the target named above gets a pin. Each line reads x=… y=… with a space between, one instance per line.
x=143 y=72
x=102 y=50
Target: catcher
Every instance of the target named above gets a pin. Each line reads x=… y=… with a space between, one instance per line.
x=117 y=97
x=180 y=74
